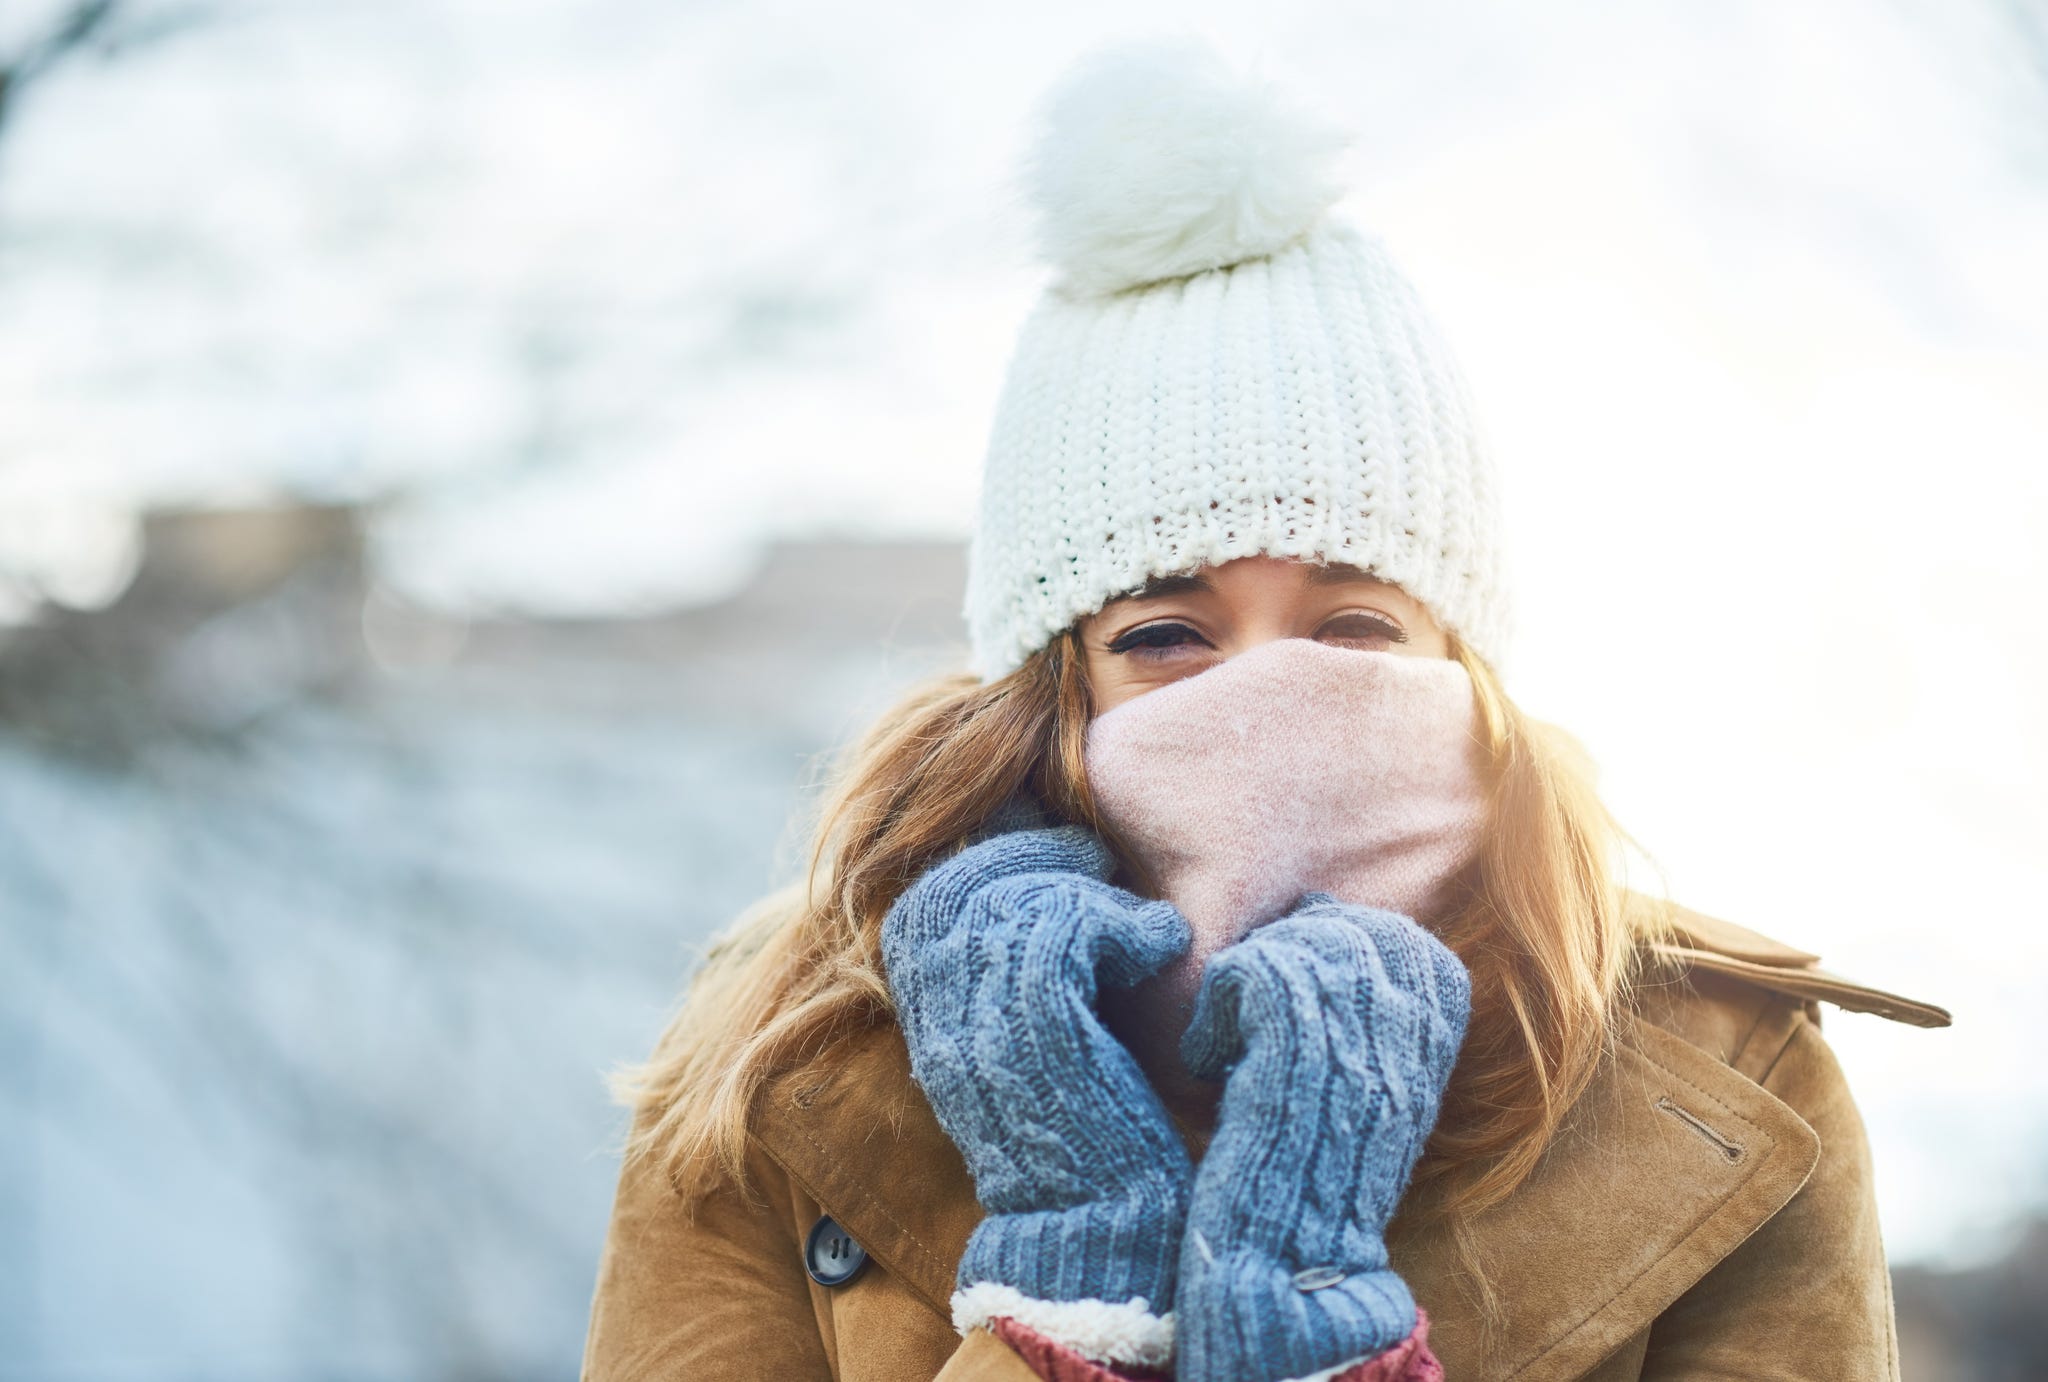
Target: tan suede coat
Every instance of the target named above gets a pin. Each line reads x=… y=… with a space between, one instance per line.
x=1706 y=1211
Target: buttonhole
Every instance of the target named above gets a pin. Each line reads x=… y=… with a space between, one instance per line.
x=1727 y=1147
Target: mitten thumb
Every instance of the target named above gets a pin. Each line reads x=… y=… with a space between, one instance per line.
x=1214 y=1040
x=1135 y=939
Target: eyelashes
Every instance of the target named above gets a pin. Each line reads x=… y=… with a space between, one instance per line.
x=1371 y=626
x=1149 y=638
x=1152 y=642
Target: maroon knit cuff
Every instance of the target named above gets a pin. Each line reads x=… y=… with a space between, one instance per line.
x=1056 y=1362
x=1407 y=1361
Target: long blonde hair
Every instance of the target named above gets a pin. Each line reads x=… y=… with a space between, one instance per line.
x=1541 y=926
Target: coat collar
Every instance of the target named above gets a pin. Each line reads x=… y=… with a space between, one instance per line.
x=1699 y=941
x=1691 y=1157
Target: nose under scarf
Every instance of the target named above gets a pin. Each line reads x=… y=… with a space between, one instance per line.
x=1294 y=766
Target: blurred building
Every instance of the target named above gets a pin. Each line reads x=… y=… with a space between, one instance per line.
x=323 y=914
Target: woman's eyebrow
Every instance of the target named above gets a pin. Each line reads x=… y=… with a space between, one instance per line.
x=1315 y=574
x=1161 y=586
x=1339 y=573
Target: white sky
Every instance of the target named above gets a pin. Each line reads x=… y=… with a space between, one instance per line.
x=1753 y=297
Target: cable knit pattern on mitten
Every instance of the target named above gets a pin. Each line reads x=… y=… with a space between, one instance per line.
x=1335 y=1029
x=995 y=958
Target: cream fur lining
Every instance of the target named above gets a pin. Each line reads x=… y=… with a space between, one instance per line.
x=1105 y=1331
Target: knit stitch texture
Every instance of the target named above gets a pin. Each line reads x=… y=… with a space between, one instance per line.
x=995 y=958
x=1335 y=1030
x=1299 y=405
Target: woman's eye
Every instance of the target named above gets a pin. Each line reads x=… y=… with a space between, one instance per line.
x=1150 y=640
x=1360 y=627
x=1153 y=642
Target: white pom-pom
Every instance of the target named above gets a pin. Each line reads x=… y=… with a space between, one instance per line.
x=1155 y=160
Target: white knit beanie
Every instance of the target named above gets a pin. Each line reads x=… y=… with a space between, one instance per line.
x=1219 y=371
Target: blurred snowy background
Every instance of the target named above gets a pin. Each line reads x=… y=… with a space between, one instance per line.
x=461 y=462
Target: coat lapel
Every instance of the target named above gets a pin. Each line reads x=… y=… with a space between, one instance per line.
x=1664 y=1166
x=1669 y=1161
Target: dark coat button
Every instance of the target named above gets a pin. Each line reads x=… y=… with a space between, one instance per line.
x=830 y=1254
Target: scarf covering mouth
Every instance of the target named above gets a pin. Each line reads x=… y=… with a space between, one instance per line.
x=1292 y=767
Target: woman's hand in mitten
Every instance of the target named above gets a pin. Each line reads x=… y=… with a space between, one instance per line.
x=995 y=958
x=1334 y=1030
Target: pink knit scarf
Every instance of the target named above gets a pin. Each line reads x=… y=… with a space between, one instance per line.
x=1292 y=767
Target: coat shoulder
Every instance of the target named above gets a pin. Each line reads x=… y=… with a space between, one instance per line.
x=1698 y=975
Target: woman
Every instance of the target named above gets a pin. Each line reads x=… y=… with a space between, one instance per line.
x=1223 y=978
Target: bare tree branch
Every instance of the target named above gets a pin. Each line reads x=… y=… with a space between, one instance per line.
x=71 y=31
x=109 y=28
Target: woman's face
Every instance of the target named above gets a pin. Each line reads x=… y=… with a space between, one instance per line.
x=1176 y=626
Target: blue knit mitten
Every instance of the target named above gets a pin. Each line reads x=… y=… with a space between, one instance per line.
x=994 y=959
x=1334 y=1030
